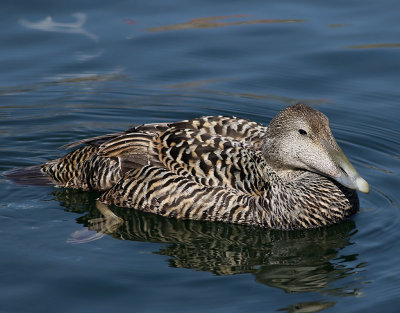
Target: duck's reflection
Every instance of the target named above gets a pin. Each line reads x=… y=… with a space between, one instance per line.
x=296 y=261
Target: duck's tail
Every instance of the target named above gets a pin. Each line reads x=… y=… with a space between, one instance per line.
x=32 y=175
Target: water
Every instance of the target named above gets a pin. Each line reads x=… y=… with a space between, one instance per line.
x=98 y=68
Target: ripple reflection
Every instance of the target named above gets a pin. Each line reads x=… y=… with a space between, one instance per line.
x=215 y=22
x=376 y=45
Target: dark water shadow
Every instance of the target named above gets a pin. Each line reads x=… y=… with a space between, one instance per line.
x=295 y=261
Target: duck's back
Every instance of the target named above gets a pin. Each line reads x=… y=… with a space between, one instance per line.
x=212 y=151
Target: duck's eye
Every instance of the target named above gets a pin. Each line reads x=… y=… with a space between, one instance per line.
x=302 y=132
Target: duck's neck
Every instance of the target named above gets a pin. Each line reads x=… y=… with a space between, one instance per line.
x=301 y=199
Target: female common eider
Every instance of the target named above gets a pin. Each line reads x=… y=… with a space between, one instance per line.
x=289 y=175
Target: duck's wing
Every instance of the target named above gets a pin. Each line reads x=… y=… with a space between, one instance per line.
x=212 y=160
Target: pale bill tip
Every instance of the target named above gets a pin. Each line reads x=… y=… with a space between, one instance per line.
x=362 y=185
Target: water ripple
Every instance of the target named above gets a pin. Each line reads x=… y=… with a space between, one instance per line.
x=214 y=22
x=375 y=46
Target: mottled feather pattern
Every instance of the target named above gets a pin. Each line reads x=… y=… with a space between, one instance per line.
x=158 y=190
x=70 y=166
x=213 y=160
x=232 y=127
x=210 y=168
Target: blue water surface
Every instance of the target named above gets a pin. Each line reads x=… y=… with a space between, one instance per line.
x=76 y=69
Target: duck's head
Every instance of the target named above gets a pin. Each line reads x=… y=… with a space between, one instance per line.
x=300 y=137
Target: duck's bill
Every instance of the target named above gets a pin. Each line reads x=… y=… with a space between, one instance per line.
x=348 y=175
x=353 y=182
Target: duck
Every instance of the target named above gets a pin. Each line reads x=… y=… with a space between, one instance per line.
x=288 y=175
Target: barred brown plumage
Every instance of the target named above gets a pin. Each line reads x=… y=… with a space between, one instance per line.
x=289 y=175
